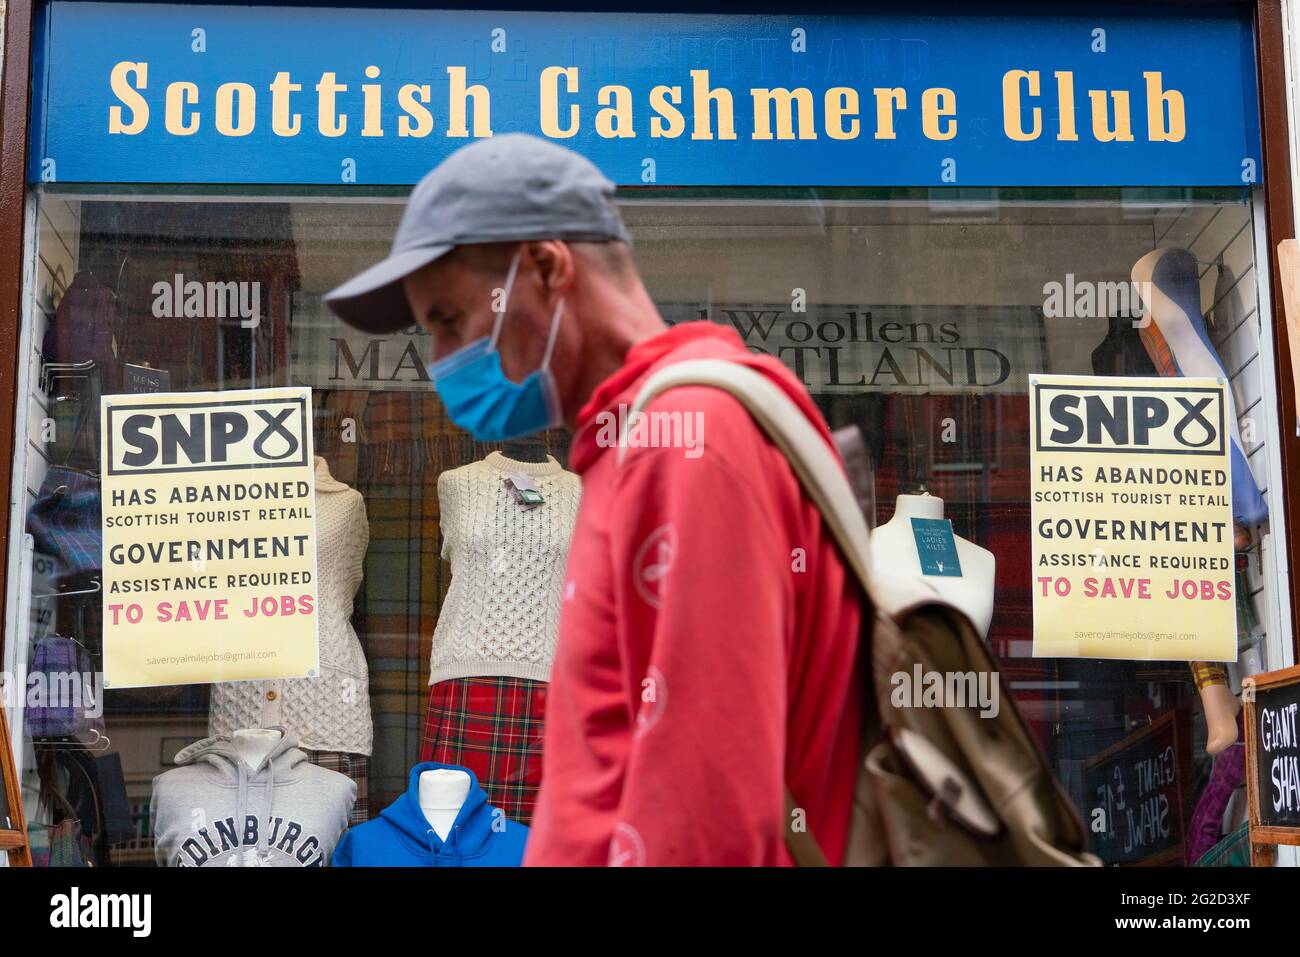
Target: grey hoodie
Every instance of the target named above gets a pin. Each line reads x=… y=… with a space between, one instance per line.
x=211 y=810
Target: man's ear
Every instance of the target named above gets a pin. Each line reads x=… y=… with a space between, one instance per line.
x=555 y=261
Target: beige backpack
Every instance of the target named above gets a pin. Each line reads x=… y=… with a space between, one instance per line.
x=939 y=785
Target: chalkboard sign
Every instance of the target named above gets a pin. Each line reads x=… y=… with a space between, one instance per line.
x=13 y=828
x=1136 y=792
x=1272 y=702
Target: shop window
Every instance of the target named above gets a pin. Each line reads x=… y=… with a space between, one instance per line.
x=916 y=315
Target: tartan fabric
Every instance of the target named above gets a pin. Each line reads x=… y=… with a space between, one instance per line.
x=65 y=521
x=1206 y=673
x=1158 y=349
x=1231 y=851
x=354 y=766
x=57 y=660
x=493 y=726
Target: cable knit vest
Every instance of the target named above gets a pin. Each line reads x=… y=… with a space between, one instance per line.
x=502 y=611
x=330 y=712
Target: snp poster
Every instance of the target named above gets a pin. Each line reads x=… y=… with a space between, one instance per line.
x=1132 y=519
x=209 y=528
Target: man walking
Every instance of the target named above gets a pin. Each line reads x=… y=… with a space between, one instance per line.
x=708 y=648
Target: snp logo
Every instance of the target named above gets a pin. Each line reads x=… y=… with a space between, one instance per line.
x=77 y=910
x=1076 y=416
x=189 y=435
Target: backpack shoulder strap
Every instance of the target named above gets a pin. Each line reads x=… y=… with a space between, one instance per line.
x=814 y=463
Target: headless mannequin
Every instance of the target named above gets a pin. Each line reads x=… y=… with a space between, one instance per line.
x=893 y=551
x=1170 y=280
x=1175 y=310
x=254 y=744
x=442 y=793
x=524 y=450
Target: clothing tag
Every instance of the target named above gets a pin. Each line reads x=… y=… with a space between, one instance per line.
x=523 y=490
x=936 y=547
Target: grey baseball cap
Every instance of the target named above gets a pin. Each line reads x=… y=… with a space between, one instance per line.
x=508 y=188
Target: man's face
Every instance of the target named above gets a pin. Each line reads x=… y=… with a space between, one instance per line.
x=453 y=299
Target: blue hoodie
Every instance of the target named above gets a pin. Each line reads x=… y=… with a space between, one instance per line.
x=401 y=835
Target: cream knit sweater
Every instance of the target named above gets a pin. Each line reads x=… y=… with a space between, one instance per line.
x=330 y=712
x=502 y=610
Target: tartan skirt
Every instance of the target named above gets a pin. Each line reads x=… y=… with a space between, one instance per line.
x=493 y=727
x=356 y=767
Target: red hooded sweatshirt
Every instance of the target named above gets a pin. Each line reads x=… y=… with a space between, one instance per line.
x=708 y=645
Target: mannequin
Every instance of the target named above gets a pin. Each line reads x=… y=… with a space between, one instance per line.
x=442 y=793
x=1124 y=353
x=254 y=744
x=1169 y=278
x=524 y=450
x=248 y=799
x=500 y=615
x=329 y=714
x=442 y=819
x=1171 y=282
x=894 y=551
x=497 y=626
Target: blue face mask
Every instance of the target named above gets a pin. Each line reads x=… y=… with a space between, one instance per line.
x=482 y=401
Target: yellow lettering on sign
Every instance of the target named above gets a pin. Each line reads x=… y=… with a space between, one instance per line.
x=179 y=95
x=842 y=101
x=327 y=120
x=550 y=101
x=781 y=103
x=227 y=94
x=130 y=97
x=615 y=121
x=1065 y=105
x=372 y=115
x=888 y=99
x=460 y=95
x=703 y=100
x=411 y=98
x=284 y=122
x=669 y=123
x=1101 y=128
x=1012 y=119
x=1157 y=99
x=938 y=103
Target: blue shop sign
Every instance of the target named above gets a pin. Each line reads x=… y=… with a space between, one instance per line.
x=1117 y=96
